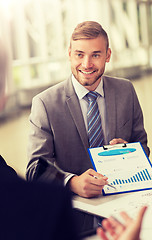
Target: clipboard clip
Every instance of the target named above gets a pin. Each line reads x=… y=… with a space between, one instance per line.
x=113 y=146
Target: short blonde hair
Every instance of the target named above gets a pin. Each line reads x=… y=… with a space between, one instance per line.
x=89 y=30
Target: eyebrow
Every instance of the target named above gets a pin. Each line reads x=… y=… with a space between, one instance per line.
x=79 y=51
x=97 y=51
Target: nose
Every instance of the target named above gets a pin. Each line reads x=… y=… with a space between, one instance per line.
x=86 y=62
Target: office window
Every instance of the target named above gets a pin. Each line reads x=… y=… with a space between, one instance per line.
x=37 y=36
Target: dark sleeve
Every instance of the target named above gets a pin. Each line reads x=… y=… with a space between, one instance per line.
x=3 y=166
x=66 y=227
x=44 y=171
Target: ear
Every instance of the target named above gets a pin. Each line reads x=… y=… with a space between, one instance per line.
x=69 y=51
x=108 y=55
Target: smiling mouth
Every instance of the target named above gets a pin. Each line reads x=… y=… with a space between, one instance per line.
x=87 y=72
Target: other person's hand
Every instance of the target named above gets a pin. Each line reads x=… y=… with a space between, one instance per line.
x=129 y=231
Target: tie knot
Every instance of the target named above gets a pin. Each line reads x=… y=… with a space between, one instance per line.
x=92 y=96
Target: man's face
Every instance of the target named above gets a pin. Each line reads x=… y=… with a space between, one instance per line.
x=88 y=58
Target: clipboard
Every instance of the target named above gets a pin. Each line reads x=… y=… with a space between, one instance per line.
x=127 y=167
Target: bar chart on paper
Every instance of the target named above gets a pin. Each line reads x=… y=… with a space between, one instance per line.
x=127 y=172
x=138 y=177
x=125 y=182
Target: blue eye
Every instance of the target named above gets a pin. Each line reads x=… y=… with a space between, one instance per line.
x=79 y=55
x=96 y=55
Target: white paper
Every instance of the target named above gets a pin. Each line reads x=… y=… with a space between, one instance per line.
x=112 y=205
x=131 y=203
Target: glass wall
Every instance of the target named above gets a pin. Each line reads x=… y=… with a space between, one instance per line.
x=36 y=34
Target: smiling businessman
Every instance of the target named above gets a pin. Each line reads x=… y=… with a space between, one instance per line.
x=87 y=110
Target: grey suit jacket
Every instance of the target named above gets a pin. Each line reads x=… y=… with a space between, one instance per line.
x=58 y=134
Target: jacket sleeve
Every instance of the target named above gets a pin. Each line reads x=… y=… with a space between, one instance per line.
x=41 y=152
x=3 y=165
x=138 y=131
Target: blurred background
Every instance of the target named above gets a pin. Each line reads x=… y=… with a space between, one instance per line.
x=36 y=36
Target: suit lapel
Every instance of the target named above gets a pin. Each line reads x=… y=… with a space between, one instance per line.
x=110 y=102
x=75 y=110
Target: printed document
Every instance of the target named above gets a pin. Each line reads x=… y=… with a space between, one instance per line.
x=126 y=165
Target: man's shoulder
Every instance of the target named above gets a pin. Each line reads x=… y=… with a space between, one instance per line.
x=53 y=88
x=57 y=89
x=116 y=82
x=116 y=79
x=5 y=169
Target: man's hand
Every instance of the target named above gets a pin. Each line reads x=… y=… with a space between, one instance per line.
x=118 y=231
x=89 y=184
x=116 y=141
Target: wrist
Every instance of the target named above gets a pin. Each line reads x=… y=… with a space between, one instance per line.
x=72 y=184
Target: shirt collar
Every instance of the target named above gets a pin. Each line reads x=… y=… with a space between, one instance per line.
x=81 y=91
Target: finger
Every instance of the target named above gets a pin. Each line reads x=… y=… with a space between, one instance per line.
x=140 y=215
x=126 y=217
x=92 y=190
x=101 y=182
x=92 y=193
x=117 y=140
x=112 y=142
x=96 y=187
x=116 y=224
x=93 y=173
x=99 y=175
x=101 y=234
x=108 y=227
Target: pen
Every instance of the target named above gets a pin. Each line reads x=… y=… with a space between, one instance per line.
x=106 y=184
x=111 y=186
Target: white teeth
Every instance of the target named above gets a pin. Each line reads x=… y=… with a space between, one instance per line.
x=86 y=72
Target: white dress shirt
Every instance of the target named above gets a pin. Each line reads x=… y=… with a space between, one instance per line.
x=81 y=92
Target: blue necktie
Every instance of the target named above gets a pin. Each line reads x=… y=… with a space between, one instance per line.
x=95 y=131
